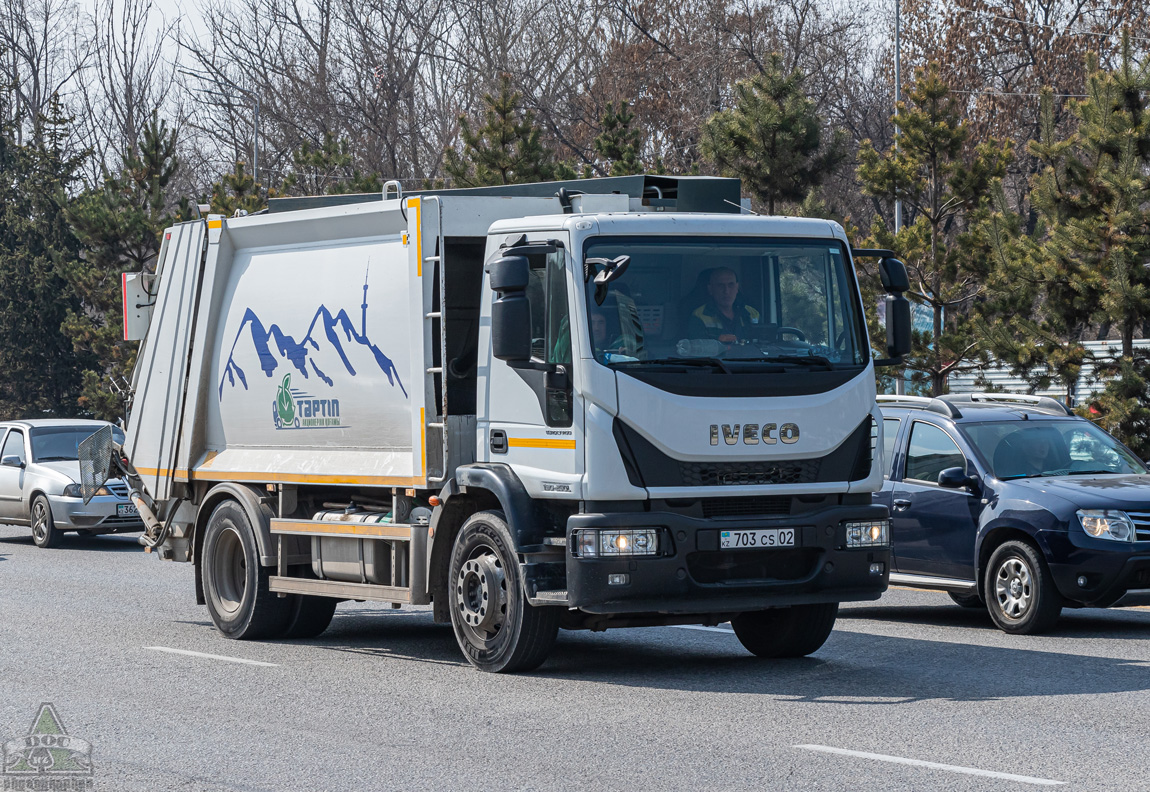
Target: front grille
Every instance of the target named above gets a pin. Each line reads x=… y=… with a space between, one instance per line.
x=711 y=474
x=752 y=566
x=1141 y=522
x=743 y=507
x=117 y=488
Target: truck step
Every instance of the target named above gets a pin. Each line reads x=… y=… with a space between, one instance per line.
x=393 y=531
x=333 y=588
x=549 y=598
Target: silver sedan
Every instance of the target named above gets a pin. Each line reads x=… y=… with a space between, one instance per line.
x=39 y=482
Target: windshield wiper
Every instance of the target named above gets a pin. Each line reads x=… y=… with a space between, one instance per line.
x=1091 y=472
x=711 y=362
x=56 y=459
x=803 y=360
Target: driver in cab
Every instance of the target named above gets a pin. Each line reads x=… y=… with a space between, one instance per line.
x=723 y=317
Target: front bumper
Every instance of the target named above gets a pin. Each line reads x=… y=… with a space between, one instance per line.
x=1111 y=568
x=97 y=516
x=697 y=577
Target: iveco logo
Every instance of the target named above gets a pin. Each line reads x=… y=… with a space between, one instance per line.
x=753 y=434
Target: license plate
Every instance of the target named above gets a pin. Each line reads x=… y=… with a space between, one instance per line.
x=757 y=539
x=126 y=510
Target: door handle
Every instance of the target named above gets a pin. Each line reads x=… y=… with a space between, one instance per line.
x=901 y=504
x=498 y=441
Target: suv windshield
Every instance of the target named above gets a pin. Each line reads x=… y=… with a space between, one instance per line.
x=60 y=443
x=1028 y=449
x=694 y=300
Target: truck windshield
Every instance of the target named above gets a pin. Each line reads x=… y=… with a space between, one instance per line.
x=699 y=301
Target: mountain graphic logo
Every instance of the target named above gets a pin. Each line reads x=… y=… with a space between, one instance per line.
x=327 y=335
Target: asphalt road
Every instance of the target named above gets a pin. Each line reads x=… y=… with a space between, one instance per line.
x=384 y=701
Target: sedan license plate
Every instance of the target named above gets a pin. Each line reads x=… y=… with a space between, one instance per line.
x=126 y=510
x=757 y=539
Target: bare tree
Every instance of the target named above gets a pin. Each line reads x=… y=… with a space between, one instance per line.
x=42 y=50
x=126 y=81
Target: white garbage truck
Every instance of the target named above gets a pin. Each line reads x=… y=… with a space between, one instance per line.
x=582 y=405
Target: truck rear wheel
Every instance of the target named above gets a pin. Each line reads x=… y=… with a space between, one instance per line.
x=497 y=629
x=310 y=616
x=235 y=585
x=796 y=631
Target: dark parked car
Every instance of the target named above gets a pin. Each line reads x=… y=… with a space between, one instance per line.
x=1014 y=504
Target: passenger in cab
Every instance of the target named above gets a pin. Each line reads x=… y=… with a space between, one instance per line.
x=724 y=316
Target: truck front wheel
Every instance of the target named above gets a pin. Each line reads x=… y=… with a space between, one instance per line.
x=497 y=629
x=235 y=585
x=796 y=631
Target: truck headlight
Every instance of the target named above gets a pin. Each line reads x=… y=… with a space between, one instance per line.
x=868 y=533
x=73 y=491
x=1106 y=524
x=611 y=543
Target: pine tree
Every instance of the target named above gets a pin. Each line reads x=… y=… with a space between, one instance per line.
x=119 y=225
x=237 y=191
x=327 y=169
x=41 y=370
x=945 y=184
x=505 y=150
x=772 y=138
x=1083 y=272
x=618 y=144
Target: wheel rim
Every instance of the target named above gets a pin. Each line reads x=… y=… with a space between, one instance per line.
x=39 y=521
x=1014 y=588
x=229 y=570
x=481 y=595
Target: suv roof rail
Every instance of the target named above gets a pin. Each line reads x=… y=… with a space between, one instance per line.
x=1039 y=402
x=921 y=403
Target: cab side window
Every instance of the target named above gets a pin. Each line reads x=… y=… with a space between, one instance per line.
x=889 y=435
x=14 y=445
x=931 y=451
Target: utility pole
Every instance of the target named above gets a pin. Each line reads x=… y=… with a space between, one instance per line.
x=897 y=99
x=900 y=383
x=223 y=82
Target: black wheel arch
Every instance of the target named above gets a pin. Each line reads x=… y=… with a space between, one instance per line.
x=996 y=533
x=480 y=487
x=259 y=514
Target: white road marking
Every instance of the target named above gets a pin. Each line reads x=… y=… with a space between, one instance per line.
x=933 y=765
x=701 y=627
x=245 y=661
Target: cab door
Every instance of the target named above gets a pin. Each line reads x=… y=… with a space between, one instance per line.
x=933 y=528
x=529 y=415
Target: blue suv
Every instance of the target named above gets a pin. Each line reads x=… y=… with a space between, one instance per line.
x=1014 y=504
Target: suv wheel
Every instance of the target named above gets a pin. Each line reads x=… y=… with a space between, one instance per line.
x=1019 y=591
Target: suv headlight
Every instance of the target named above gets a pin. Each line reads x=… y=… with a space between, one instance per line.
x=73 y=491
x=1106 y=524
x=612 y=543
x=869 y=533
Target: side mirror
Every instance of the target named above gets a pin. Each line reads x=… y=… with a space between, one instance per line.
x=895 y=281
x=892 y=273
x=898 y=336
x=511 y=312
x=12 y=461
x=955 y=478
